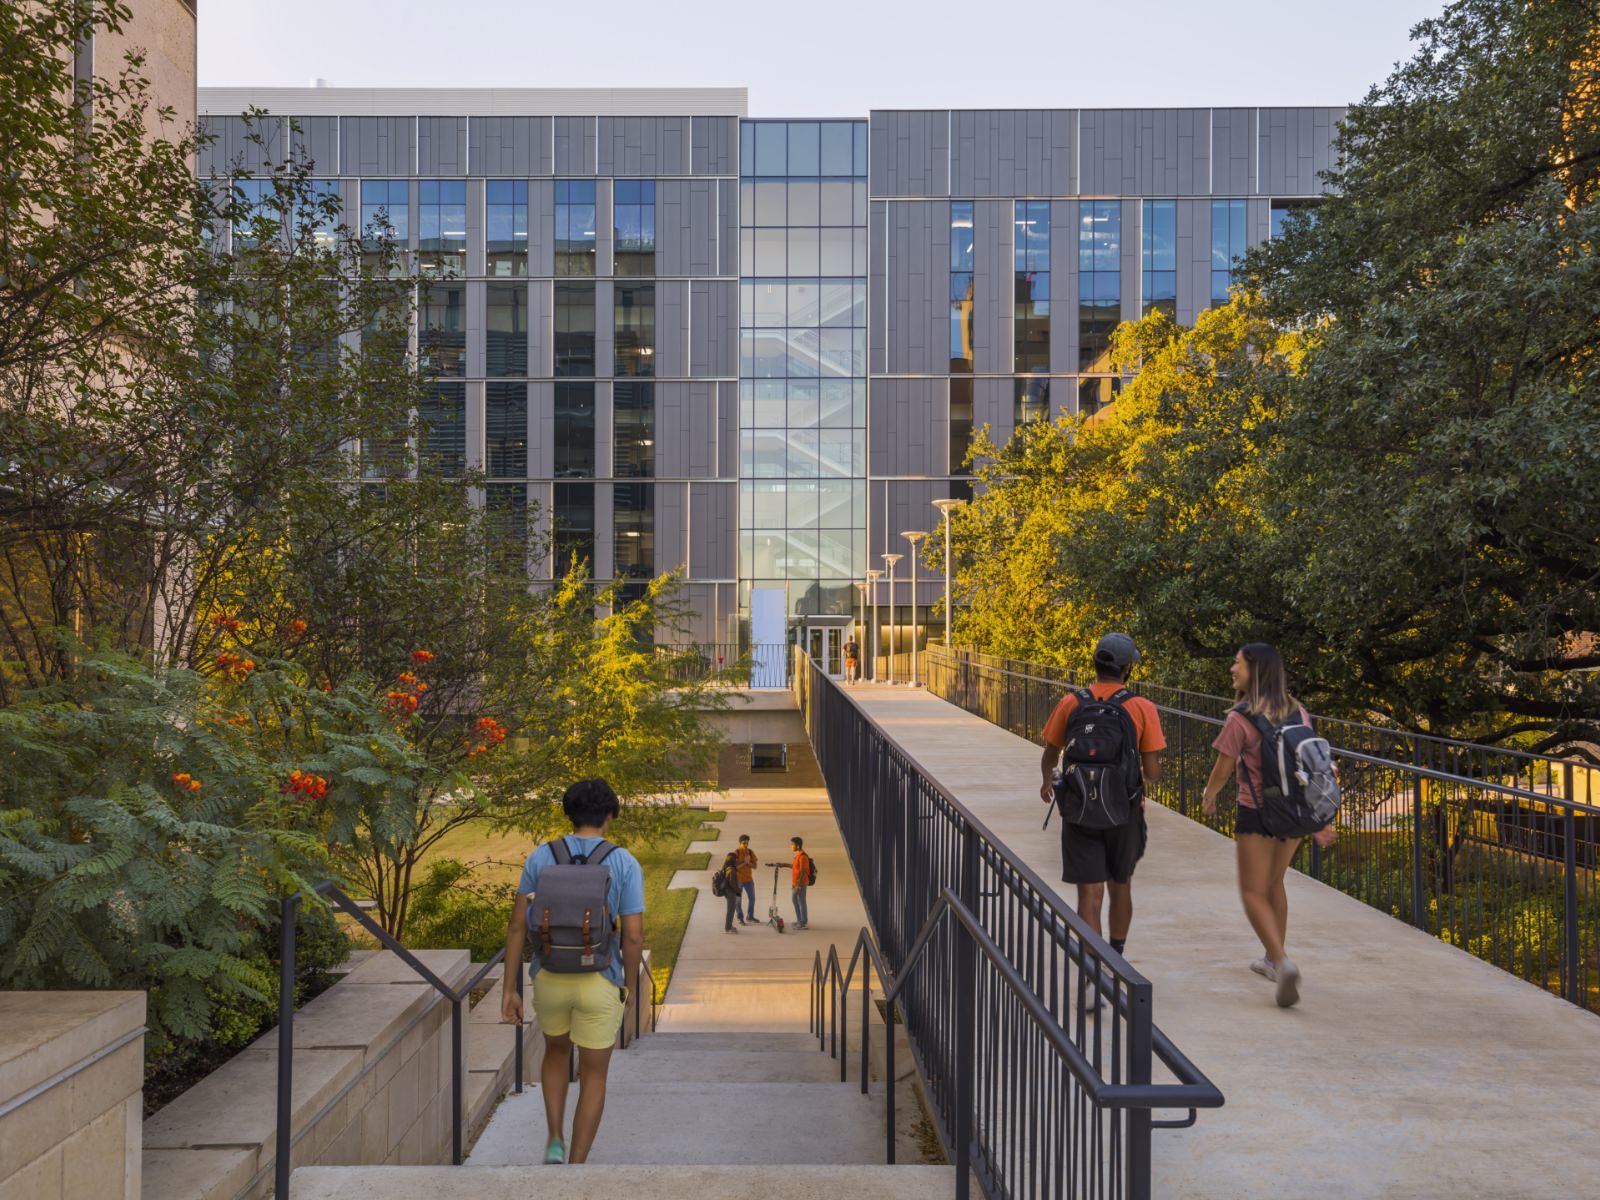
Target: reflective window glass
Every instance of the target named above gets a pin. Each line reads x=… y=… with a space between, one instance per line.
x=442 y=328
x=505 y=429
x=574 y=328
x=442 y=225
x=961 y=286
x=1227 y=245
x=633 y=423
x=506 y=336
x=572 y=525
x=635 y=329
x=960 y=425
x=1031 y=255
x=634 y=527
x=1099 y=281
x=575 y=227
x=506 y=226
x=634 y=220
x=442 y=429
x=574 y=430
x=804 y=148
x=1159 y=258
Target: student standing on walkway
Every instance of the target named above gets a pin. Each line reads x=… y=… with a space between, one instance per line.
x=800 y=881
x=726 y=885
x=1261 y=688
x=852 y=661
x=1115 y=739
x=747 y=881
x=580 y=973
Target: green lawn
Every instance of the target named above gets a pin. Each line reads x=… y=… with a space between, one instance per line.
x=499 y=856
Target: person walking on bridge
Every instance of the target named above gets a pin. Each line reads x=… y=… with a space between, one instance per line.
x=746 y=861
x=581 y=899
x=1107 y=743
x=1261 y=687
x=803 y=876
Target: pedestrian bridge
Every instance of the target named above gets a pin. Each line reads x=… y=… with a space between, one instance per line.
x=1409 y=1068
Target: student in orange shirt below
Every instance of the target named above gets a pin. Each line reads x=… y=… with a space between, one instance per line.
x=800 y=882
x=746 y=861
x=1107 y=757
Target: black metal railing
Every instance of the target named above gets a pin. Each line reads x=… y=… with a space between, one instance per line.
x=456 y=996
x=1486 y=848
x=1017 y=981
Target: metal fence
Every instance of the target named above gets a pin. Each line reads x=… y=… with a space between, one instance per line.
x=765 y=665
x=1035 y=1041
x=1489 y=849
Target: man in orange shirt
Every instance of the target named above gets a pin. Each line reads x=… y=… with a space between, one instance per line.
x=745 y=858
x=800 y=882
x=1095 y=857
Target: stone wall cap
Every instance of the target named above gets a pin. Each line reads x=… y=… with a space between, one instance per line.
x=43 y=1034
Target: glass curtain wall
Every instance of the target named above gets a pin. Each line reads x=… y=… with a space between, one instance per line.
x=803 y=388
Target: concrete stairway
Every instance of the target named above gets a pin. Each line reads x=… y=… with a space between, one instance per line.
x=687 y=1115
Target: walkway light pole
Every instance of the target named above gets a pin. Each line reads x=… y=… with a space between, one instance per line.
x=914 y=536
x=872 y=581
x=946 y=507
x=861 y=629
x=891 y=559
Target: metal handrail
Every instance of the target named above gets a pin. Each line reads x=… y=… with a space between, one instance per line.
x=286 y=984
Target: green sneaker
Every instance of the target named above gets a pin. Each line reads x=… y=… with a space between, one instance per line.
x=555 y=1154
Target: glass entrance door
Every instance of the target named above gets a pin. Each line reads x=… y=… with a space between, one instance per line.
x=826 y=645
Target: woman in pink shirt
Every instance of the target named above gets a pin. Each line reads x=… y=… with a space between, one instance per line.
x=1261 y=686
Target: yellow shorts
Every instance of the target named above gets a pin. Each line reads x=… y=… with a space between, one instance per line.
x=588 y=1006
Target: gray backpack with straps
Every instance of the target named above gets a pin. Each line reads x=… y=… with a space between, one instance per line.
x=574 y=929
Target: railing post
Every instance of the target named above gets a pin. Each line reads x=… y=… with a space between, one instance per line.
x=521 y=1028
x=966 y=984
x=455 y=1082
x=1141 y=1050
x=1574 y=990
x=866 y=1023
x=286 y=976
x=1419 y=916
x=1183 y=778
x=888 y=1060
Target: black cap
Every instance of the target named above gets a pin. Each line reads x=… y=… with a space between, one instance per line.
x=1116 y=651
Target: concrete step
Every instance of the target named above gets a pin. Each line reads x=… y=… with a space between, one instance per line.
x=696 y=1124
x=723 y=1066
x=665 y=1042
x=802 y=1182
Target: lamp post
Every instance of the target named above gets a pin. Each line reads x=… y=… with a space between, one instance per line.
x=914 y=536
x=946 y=507
x=861 y=630
x=872 y=581
x=891 y=559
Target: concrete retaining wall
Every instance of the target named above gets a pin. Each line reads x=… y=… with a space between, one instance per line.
x=71 y=1074
x=371 y=1086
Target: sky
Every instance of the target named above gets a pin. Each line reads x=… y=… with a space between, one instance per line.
x=823 y=58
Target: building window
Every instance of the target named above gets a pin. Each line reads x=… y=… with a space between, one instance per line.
x=505 y=429
x=1160 y=258
x=385 y=215
x=442 y=225
x=633 y=422
x=1031 y=401
x=442 y=329
x=960 y=425
x=1284 y=211
x=574 y=329
x=572 y=525
x=635 y=329
x=1094 y=395
x=961 y=285
x=1227 y=245
x=506 y=339
x=574 y=431
x=1031 y=219
x=506 y=218
x=575 y=227
x=769 y=758
x=258 y=216
x=318 y=217
x=635 y=528
x=634 y=220
x=506 y=507
x=1099 y=281
x=442 y=429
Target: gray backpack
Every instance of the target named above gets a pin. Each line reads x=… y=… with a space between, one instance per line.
x=574 y=930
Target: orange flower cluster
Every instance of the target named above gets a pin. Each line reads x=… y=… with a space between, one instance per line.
x=239 y=719
x=186 y=781
x=422 y=656
x=488 y=734
x=224 y=621
x=404 y=699
x=297 y=627
x=234 y=667
x=306 y=786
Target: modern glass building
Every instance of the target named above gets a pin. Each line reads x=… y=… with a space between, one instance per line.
x=756 y=350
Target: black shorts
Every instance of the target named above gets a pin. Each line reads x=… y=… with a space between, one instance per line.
x=1249 y=821
x=1099 y=855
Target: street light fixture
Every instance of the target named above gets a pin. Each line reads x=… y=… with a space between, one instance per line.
x=872 y=579
x=946 y=507
x=914 y=536
x=891 y=559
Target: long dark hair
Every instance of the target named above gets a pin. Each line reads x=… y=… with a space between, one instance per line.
x=1267 y=692
x=731 y=863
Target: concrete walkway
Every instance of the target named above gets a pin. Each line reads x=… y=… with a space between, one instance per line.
x=759 y=979
x=1409 y=1069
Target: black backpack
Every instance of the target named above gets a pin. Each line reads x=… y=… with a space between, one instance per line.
x=1299 y=786
x=811 y=871
x=1101 y=775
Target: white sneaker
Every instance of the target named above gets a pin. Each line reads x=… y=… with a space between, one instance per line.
x=1263 y=968
x=1287 y=976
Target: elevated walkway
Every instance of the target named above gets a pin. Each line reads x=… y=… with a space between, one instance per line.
x=1409 y=1069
